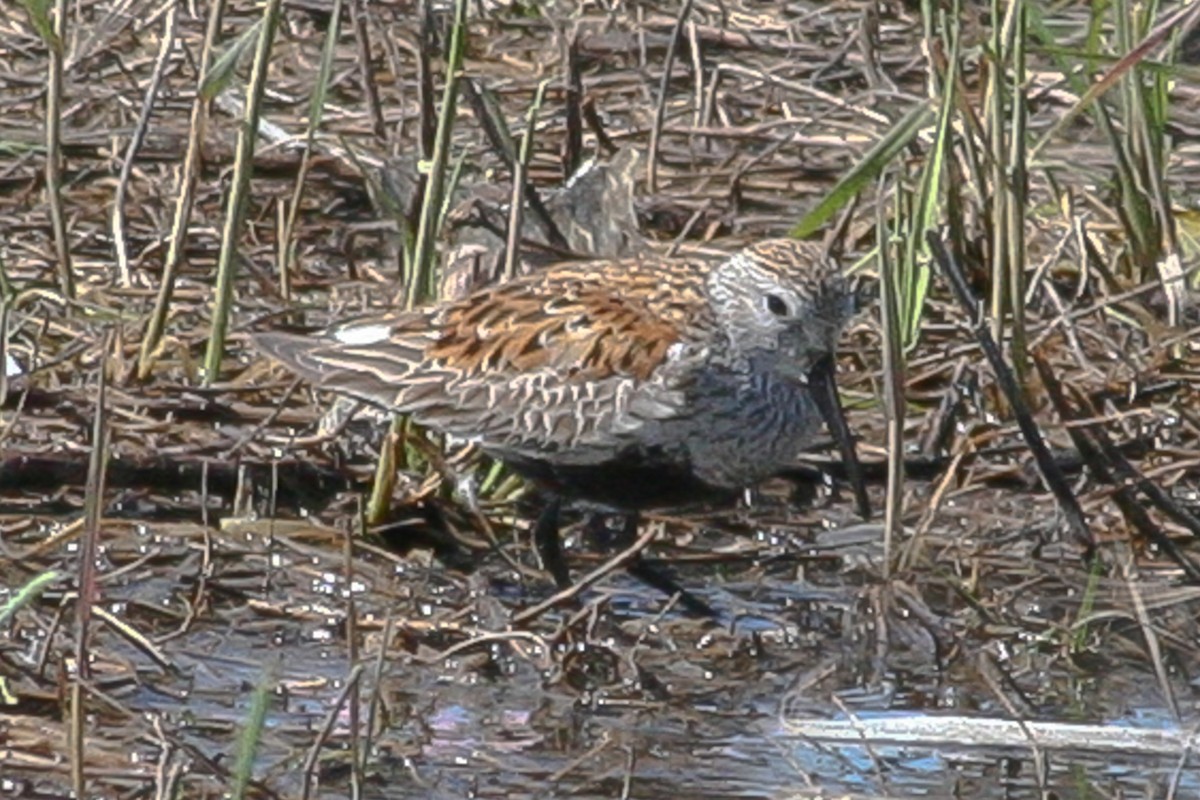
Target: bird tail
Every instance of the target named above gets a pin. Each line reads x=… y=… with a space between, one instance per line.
x=357 y=370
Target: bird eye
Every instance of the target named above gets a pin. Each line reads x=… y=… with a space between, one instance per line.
x=776 y=305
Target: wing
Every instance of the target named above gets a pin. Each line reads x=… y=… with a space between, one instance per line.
x=572 y=360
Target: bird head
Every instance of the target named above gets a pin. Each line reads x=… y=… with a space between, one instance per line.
x=782 y=304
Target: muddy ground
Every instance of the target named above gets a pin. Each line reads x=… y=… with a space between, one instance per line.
x=405 y=662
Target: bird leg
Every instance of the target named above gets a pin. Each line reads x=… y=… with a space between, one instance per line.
x=654 y=576
x=548 y=541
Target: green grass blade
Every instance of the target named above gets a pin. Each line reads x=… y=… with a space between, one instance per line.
x=185 y=195
x=428 y=226
x=26 y=595
x=243 y=167
x=316 y=113
x=260 y=703
x=40 y=19
x=913 y=276
x=865 y=171
x=224 y=69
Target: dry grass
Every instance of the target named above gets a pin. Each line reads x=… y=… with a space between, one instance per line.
x=204 y=575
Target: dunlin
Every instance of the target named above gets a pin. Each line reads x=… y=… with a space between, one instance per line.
x=618 y=385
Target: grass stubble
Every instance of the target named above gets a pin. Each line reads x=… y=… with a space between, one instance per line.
x=962 y=176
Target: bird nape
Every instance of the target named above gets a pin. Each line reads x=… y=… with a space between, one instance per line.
x=618 y=386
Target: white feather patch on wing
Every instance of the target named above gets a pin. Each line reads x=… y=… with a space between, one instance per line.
x=363 y=334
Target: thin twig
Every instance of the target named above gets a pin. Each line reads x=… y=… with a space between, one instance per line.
x=571 y=592
x=1047 y=466
x=183 y=201
x=664 y=87
x=54 y=119
x=135 y=143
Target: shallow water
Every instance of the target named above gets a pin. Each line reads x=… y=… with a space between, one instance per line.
x=630 y=701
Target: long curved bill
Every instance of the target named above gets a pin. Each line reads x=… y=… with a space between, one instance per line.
x=822 y=379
